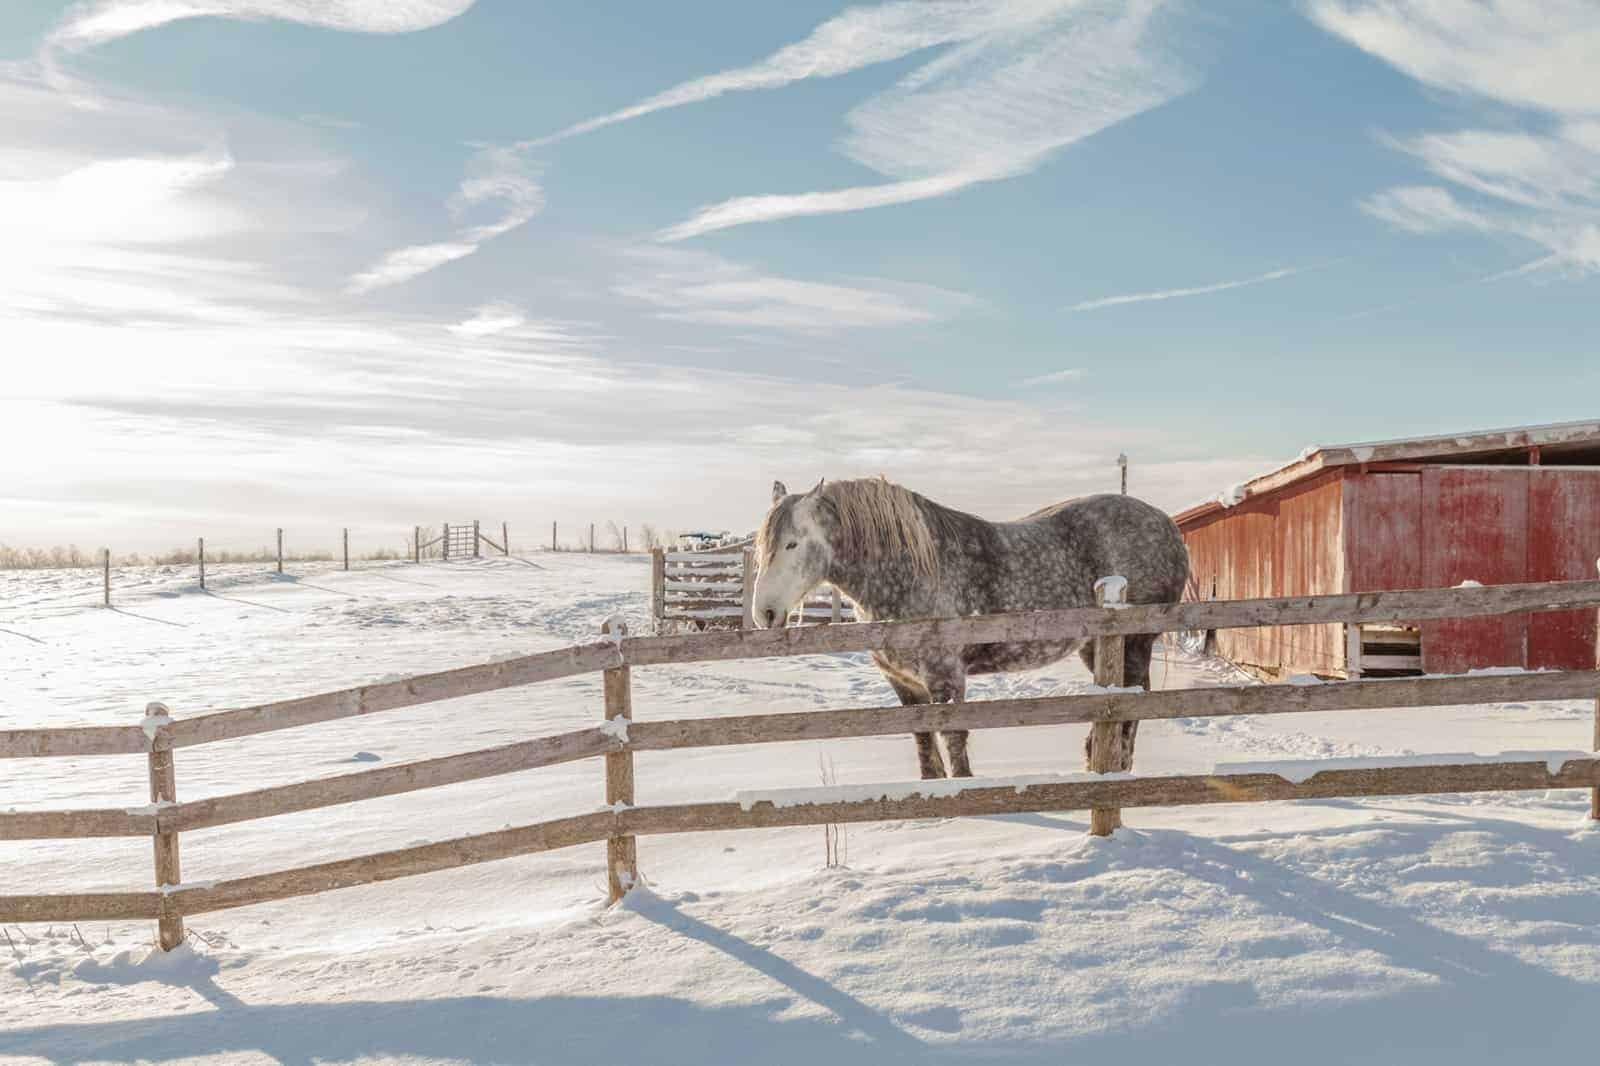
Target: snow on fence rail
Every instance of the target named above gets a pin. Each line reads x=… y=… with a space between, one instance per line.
x=618 y=736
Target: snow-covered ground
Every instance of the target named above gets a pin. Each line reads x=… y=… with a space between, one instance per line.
x=1462 y=928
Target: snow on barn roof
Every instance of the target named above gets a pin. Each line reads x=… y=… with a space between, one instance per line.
x=1476 y=445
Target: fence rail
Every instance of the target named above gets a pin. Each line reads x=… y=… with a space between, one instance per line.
x=618 y=736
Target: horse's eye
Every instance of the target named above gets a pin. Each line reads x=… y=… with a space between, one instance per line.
x=792 y=545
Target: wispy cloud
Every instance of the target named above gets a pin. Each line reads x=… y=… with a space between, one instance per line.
x=495 y=175
x=98 y=21
x=698 y=287
x=1174 y=294
x=1017 y=81
x=1056 y=378
x=859 y=37
x=1537 y=184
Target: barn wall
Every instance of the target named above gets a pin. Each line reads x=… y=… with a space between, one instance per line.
x=1563 y=544
x=1310 y=561
x=1474 y=528
x=1285 y=544
x=1383 y=531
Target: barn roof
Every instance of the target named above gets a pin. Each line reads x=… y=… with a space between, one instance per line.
x=1555 y=441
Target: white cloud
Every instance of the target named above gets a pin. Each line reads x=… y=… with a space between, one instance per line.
x=171 y=438
x=1017 y=82
x=1527 y=53
x=1173 y=294
x=697 y=287
x=495 y=175
x=489 y=320
x=92 y=23
x=1056 y=378
x=858 y=37
x=1539 y=184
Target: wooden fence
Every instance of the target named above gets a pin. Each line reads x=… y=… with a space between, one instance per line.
x=715 y=589
x=619 y=734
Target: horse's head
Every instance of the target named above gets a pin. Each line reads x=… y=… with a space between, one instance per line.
x=794 y=551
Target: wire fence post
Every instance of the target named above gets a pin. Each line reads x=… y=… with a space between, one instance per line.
x=505 y=540
x=477 y=540
x=624 y=540
x=1109 y=747
x=552 y=536
x=107 y=562
x=622 y=852
x=280 y=551
x=347 y=549
x=445 y=541
x=202 y=556
x=1122 y=463
x=416 y=544
x=591 y=538
x=164 y=790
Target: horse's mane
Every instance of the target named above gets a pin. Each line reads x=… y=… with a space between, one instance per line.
x=878 y=519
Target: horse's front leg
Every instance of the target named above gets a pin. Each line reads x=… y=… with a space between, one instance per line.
x=946 y=679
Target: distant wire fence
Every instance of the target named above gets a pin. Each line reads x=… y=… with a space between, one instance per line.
x=448 y=542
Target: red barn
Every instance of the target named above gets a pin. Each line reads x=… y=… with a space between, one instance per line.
x=1492 y=507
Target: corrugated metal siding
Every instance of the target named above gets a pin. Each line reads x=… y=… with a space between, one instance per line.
x=1563 y=544
x=1474 y=528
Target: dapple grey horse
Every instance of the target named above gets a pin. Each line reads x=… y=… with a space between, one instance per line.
x=899 y=555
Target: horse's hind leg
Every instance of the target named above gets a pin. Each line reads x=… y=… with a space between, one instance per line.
x=947 y=683
x=1136 y=652
x=929 y=762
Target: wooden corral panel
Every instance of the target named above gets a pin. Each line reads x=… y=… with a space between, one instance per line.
x=1310 y=561
x=1563 y=544
x=1383 y=531
x=1474 y=528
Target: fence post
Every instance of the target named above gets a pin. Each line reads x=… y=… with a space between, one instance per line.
x=552 y=536
x=416 y=544
x=505 y=540
x=163 y=790
x=624 y=540
x=622 y=854
x=280 y=551
x=591 y=538
x=202 y=563
x=1104 y=753
x=444 y=542
x=347 y=549
x=107 y=562
x=477 y=540
x=658 y=589
x=1122 y=464
x=748 y=598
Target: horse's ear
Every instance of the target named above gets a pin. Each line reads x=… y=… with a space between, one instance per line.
x=817 y=487
x=778 y=492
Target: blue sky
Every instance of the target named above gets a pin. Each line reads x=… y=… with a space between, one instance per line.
x=373 y=262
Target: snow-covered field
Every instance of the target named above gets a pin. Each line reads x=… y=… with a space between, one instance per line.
x=1459 y=929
